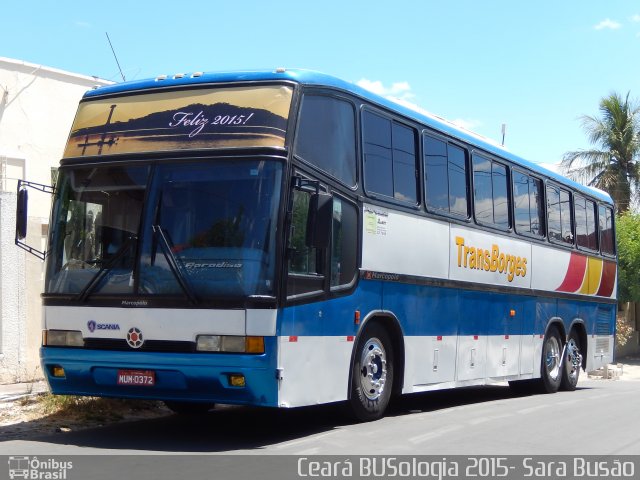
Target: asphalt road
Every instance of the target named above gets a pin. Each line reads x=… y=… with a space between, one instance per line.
x=599 y=418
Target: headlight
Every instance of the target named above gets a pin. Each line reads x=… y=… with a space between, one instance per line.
x=229 y=343
x=62 y=338
x=208 y=343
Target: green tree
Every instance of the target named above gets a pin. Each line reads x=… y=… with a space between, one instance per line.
x=628 y=236
x=612 y=165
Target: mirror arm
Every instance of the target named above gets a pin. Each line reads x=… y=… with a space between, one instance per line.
x=37 y=186
x=21 y=215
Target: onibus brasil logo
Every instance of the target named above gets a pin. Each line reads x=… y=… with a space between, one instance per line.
x=33 y=468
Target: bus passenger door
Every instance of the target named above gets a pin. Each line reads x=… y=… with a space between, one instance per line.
x=317 y=322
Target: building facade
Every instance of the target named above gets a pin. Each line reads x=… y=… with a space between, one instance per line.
x=37 y=107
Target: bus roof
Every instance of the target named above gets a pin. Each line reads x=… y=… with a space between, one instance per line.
x=309 y=77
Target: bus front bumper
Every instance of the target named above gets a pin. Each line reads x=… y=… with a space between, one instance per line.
x=188 y=377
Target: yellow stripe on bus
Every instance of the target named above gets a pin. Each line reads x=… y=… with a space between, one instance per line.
x=592 y=278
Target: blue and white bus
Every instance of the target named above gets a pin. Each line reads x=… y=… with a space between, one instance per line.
x=284 y=238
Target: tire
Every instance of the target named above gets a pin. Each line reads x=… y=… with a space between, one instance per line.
x=372 y=372
x=550 y=367
x=189 y=408
x=572 y=362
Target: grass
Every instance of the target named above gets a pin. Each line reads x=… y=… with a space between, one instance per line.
x=91 y=408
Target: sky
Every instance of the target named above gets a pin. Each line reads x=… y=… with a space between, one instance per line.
x=535 y=66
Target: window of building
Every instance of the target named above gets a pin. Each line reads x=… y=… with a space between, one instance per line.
x=491 y=201
x=11 y=170
x=607 y=243
x=445 y=177
x=326 y=136
x=390 y=158
x=527 y=204
x=585 y=218
x=559 y=215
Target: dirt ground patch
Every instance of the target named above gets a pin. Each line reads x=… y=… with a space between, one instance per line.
x=45 y=414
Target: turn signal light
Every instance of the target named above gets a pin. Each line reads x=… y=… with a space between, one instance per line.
x=237 y=380
x=57 y=371
x=254 y=345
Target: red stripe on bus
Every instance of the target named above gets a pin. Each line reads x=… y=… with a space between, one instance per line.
x=608 y=279
x=575 y=274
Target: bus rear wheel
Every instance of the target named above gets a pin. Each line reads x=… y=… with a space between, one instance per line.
x=372 y=372
x=550 y=368
x=189 y=408
x=572 y=363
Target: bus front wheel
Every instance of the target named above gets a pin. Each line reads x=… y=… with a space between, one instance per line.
x=372 y=372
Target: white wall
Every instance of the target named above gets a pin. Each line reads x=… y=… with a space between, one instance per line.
x=37 y=107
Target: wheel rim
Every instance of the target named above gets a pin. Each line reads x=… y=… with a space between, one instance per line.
x=552 y=357
x=373 y=369
x=573 y=360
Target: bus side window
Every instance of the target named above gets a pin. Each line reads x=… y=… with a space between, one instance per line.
x=559 y=215
x=302 y=258
x=527 y=198
x=585 y=218
x=491 y=206
x=607 y=244
x=344 y=243
x=306 y=264
x=389 y=158
x=445 y=168
x=326 y=136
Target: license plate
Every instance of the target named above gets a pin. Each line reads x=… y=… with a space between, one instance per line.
x=138 y=378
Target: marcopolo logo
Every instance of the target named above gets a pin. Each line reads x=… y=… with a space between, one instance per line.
x=92 y=325
x=135 y=338
x=34 y=468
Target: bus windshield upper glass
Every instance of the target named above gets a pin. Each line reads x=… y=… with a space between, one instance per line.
x=206 y=230
x=205 y=118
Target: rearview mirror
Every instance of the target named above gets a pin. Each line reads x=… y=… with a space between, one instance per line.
x=21 y=214
x=319 y=220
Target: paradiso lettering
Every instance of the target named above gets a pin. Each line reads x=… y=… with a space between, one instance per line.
x=476 y=258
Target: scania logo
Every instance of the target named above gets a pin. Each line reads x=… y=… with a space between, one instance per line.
x=134 y=338
x=92 y=325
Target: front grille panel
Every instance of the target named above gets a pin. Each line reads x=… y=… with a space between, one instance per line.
x=148 y=346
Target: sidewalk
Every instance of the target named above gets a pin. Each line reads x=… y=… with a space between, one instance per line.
x=625 y=369
x=15 y=391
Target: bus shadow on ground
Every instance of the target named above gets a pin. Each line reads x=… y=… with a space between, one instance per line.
x=247 y=429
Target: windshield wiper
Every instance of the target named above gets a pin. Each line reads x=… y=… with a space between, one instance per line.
x=173 y=264
x=104 y=269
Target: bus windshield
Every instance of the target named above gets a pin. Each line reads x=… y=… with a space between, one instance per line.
x=202 y=230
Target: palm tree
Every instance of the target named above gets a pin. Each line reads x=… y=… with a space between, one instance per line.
x=614 y=165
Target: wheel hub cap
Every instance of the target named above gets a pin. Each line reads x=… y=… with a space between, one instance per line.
x=373 y=374
x=552 y=357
